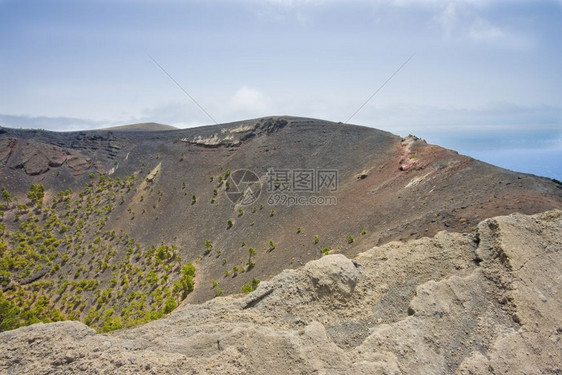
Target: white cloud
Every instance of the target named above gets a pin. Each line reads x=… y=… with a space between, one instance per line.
x=248 y=101
x=448 y=19
x=481 y=29
x=460 y=21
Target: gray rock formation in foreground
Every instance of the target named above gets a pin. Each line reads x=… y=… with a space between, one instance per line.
x=487 y=302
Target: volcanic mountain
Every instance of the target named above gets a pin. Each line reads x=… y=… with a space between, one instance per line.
x=114 y=216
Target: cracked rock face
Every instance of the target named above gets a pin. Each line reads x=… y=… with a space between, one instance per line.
x=487 y=302
x=36 y=158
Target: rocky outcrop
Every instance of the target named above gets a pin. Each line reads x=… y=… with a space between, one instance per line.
x=36 y=158
x=233 y=136
x=479 y=303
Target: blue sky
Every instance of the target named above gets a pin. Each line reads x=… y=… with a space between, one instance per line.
x=485 y=78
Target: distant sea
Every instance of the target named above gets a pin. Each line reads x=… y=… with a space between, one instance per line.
x=546 y=163
x=533 y=151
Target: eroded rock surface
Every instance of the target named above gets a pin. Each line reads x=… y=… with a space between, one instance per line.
x=487 y=302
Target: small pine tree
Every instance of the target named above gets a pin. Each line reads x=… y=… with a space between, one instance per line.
x=251 y=285
x=251 y=255
x=36 y=193
x=6 y=196
x=170 y=305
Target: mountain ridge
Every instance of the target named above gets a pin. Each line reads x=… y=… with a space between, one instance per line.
x=170 y=190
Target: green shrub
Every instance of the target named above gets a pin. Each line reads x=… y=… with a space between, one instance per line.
x=170 y=305
x=6 y=196
x=251 y=255
x=250 y=286
x=36 y=193
x=186 y=280
x=9 y=314
x=162 y=253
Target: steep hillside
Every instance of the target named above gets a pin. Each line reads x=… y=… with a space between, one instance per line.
x=481 y=303
x=128 y=193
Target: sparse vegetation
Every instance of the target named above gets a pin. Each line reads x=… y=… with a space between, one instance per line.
x=66 y=236
x=316 y=239
x=350 y=239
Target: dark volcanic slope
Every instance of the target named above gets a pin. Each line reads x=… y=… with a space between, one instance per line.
x=389 y=187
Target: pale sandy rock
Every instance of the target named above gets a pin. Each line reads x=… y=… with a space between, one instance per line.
x=468 y=304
